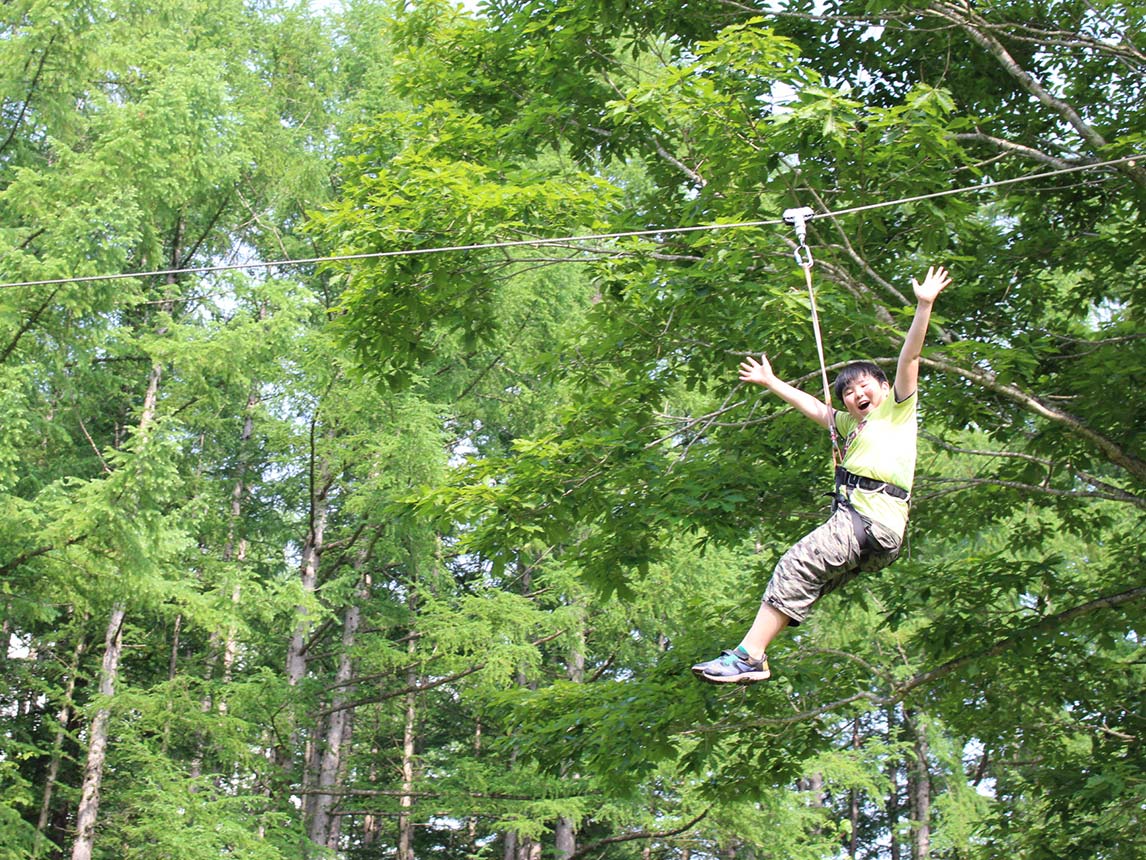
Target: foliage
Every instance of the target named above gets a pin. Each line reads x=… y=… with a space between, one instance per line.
x=414 y=549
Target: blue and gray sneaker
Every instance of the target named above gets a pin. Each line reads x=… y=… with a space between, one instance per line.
x=733 y=667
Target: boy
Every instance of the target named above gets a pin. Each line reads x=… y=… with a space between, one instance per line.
x=868 y=519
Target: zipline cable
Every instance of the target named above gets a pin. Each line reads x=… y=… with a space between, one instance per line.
x=542 y=242
x=405 y=252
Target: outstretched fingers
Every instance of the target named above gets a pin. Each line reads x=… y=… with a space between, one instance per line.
x=752 y=370
x=935 y=282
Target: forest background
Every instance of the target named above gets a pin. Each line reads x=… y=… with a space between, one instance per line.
x=408 y=556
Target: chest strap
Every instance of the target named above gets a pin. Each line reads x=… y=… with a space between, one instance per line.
x=844 y=478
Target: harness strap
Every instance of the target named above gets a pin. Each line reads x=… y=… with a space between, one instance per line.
x=844 y=478
x=861 y=525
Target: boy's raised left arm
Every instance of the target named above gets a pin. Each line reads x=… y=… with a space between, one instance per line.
x=907 y=370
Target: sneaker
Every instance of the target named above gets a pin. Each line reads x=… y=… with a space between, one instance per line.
x=733 y=667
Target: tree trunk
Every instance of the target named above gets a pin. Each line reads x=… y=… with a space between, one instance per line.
x=88 y=810
x=308 y=576
x=371 y=823
x=472 y=822
x=296 y=657
x=518 y=847
x=323 y=828
x=406 y=801
x=854 y=799
x=565 y=838
x=64 y=718
x=172 y=669
x=919 y=789
x=564 y=831
x=893 y=805
x=234 y=550
x=814 y=785
x=320 y=482
x=236 y=546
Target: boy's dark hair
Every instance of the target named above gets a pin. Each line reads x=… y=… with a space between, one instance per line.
x=854 y=371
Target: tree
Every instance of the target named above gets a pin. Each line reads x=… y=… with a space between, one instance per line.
x=411 y=554
x=710 y=116
x=132 y=146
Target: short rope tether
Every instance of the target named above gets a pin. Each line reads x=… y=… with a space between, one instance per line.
x=799 y=218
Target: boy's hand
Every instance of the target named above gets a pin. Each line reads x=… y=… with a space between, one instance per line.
x=759 y=372
x=936 y=281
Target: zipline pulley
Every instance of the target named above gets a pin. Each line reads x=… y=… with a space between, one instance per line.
x=798 y=219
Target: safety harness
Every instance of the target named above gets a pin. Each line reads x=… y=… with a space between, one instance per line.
x=845 y=480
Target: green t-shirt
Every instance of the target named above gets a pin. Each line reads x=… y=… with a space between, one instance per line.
x=882 y=447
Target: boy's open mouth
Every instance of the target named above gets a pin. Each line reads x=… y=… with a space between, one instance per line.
x=862 y=405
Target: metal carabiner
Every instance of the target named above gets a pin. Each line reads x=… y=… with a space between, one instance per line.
x=803 y=255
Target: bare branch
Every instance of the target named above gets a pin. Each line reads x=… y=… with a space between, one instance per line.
x=977 y=29
x=679 y=165
x=1109 y=491
x=1111 y=449
x=960 y=484
x=1009 y=146
x=640 y=834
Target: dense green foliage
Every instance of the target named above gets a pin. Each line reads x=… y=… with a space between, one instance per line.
x=408 y=554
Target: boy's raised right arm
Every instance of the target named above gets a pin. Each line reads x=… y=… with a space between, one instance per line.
x=760 y=373
x=907 y=369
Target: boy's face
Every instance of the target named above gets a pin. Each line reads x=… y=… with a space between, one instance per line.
x=864 y=395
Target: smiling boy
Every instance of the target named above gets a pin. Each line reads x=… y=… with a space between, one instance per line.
x=873 y=484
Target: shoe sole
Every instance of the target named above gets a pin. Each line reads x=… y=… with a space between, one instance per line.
x=745 y=678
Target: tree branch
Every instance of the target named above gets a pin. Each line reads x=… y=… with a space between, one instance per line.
x=27 y=326
x=1030 y=152
x=421 y=688
x=24 y=558
x=28 y=98
x=640 y=834
x=967 y=483
x=1113 y=451
x=977 y=29
x=678 y=164
x=1047 y=623
x=1109 y=491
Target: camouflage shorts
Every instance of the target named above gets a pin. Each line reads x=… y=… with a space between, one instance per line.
x=825 y=559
